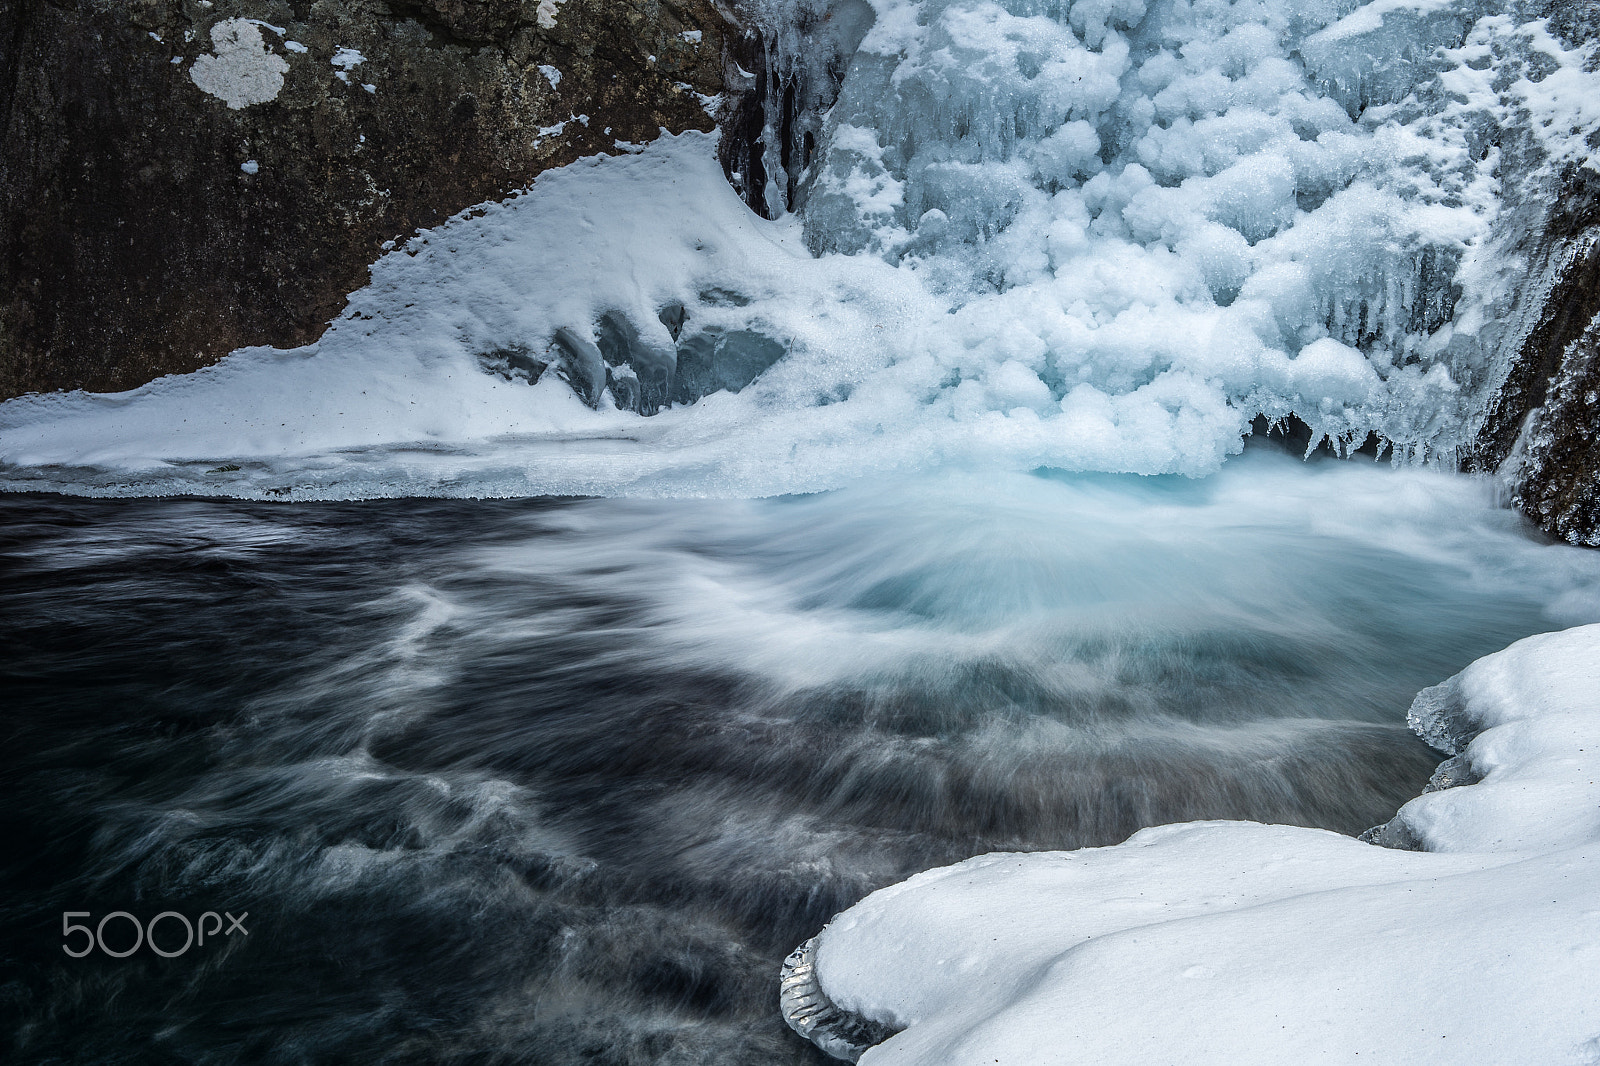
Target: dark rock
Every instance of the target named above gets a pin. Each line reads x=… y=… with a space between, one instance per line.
x=714 y=359
x=1540 y=431
x=1542 y=428
x=1556 y=473
x=148 y=226
x=640 y=370
x=582 y=365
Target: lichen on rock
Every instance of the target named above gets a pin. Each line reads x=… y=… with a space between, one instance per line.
x=242 y=70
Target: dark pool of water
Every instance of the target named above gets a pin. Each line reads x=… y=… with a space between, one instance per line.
x=562 y=781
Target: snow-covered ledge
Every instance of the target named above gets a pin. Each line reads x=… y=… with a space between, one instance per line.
x=1238 y=943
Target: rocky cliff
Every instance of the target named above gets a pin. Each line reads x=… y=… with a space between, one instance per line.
x=179 y=178
x=1541 y=431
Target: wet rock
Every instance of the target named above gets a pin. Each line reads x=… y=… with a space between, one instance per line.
x=581 y=364
x=514 y=363
x=1541 y=430
x=641 y=373
x=1453 y=773
x=1393 y=834
x=179 y=178
x=1555 y=474
x=673 y=316
x=716 y=359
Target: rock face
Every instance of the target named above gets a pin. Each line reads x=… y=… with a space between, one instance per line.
x=180 y=178
x=1543 y=428
x=1541 y=431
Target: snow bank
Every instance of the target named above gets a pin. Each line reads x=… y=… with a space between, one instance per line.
x=1524 y=727
x=422 y=386
x=1244 y=943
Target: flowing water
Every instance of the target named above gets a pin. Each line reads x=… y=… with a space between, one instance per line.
x=562 y=780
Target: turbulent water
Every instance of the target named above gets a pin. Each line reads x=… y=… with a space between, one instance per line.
x=562 y=780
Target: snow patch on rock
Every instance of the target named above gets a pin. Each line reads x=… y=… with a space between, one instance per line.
x=547 y=13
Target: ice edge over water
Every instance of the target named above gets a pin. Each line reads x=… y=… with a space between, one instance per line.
x=1234 y=942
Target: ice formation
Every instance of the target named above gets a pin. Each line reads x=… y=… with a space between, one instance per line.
x=1100 y=235
x=1241 y=943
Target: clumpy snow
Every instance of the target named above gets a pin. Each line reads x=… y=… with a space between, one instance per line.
x=1239 y=943
x=344 y=61
x=547 y=13
x=1097 y=236
x=242 y=70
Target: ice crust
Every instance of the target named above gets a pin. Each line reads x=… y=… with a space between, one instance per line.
x=1241 y=943
x=1093 y=236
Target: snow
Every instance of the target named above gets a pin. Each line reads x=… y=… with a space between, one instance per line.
x=546 y=13
x=250 y=166
x=551 y=74
x=393 y=397
x=1102 y=237
x=345 y=60
x=1535 y=712
x=242 y=70
x=1243 y=943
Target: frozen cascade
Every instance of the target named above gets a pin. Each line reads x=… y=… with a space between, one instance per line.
x=1103 y=235
x=798 y=51
x=1295 y=201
